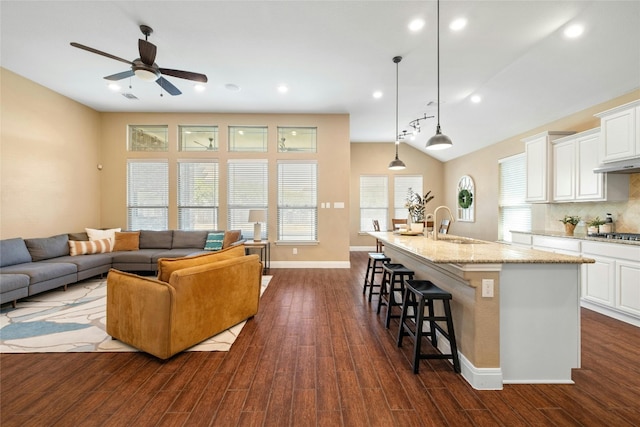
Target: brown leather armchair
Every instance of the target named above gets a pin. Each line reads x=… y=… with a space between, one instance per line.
x=203 y=296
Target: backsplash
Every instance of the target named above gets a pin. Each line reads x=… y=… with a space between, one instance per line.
x=626 y=215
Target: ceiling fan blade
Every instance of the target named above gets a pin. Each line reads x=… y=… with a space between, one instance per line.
x=120 y=76
x=99 y=52
x=184 y=75
x=168 y=86
x=147 y=52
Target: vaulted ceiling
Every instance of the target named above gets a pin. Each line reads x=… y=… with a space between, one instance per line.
x=333 y=55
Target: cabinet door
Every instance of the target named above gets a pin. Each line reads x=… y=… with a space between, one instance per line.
x=589 y=185
x=537 y=156
x=619 y=137
x=564 y=171
x=628 y=286
x=598 y=281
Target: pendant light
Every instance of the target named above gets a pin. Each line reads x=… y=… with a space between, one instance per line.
x=438 y=141
x=397 y=164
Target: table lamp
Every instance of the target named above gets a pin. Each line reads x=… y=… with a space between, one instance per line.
x=257 y=216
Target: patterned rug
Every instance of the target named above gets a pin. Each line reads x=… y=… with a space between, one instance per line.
x=75 y=320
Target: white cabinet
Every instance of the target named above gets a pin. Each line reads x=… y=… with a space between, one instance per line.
x=620 y=132
x=560 y=245
x=574 y=158
x=539 y=156
x=611 y=286
x=521 y=239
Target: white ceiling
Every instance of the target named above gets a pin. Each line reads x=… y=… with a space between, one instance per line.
x=334 y=54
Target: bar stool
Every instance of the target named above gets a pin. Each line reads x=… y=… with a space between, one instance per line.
x=393 y=277
x=419 y=293
x=374 y=266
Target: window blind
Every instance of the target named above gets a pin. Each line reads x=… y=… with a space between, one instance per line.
x=374 y=201
x=197 y=195
x=147 y=194
x=297 y=201
x=401 y=185
x=514 y=212
x=247 y=185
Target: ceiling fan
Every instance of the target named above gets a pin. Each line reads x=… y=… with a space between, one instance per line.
x=145 y=67
x=210 y=147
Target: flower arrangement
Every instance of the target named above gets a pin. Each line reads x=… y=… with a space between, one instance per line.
x=569 y=219
x=416 y=204
x=595 y=222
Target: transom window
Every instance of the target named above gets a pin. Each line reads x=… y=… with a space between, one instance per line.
x=297 y=139
x=198 y=138
x=248 y=139
x=148 y=138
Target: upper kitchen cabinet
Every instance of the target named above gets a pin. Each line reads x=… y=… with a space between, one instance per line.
x=539 y=167
x=574 y=157
x=620 y=132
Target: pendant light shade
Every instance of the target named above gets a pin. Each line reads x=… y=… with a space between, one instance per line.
x=438 y=141
x=397 y=164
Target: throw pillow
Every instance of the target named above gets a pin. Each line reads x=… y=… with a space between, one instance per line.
x=43 y=248
x=95 y=234
x=230 y=237
x=84 y=247
x=166 y=266
x=127 y=241
x=214 y=241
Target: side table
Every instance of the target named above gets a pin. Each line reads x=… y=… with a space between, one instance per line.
x=265 y=251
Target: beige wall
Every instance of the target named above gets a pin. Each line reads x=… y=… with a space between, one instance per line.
x=333 y=158
x=482 y=166
x=373 y=159
x=49 y=145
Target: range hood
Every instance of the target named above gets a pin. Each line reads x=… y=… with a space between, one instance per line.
x=622 y=166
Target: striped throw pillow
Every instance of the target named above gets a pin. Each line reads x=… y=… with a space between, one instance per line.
x=81 y=247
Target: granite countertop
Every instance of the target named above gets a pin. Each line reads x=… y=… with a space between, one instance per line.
x=450 y=249
x=579 y=236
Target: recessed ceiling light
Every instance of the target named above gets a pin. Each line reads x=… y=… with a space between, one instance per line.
x=377 y=94
x=416 y=24
x=114 y=87
x=199 y=88
x=232 y=87
x=476 y=99
x=458 y=24
x=283 y=89
x=573 y=31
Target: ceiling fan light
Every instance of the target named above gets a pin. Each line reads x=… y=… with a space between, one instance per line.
x=146 y=75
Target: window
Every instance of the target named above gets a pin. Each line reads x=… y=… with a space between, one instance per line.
x=247 y=189
x=401 y=185
x=198 y=138
x=374 y=201
x=148 y=138
x=514 y=213
x=248 y=139
x=197 y=195
x=147 y=194
x=297 y=139
x=297 y=201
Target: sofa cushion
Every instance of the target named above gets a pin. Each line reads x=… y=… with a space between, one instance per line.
x=13 y=251
x=166 y=266
x=150 y=239
x=85 y=262
x=189 y=239
x=42 y=271
x=48 y=247
x=11 y=282
x=79 y=236
x=80 y=247
x=127 y=241
x=215 y=240
x=95 y=234
x=230 y=237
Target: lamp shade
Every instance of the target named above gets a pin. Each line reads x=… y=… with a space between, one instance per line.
x=257 y=215
x=439 y=141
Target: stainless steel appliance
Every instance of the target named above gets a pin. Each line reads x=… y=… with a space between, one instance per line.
x=618 y=236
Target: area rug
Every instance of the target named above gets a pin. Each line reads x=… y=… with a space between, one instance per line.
x=75 y=321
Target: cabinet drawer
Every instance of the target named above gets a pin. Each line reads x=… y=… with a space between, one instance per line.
x=572 y=245
x=521 y=238
x=612 y=250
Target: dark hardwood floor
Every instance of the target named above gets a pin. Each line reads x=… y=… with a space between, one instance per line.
x=316 y=354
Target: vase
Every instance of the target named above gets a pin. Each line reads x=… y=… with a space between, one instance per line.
x=568 y=229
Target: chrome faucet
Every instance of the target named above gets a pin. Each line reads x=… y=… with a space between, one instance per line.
x=436 y=226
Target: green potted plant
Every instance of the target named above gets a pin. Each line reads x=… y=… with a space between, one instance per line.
x=594 y=224
x=570 y=222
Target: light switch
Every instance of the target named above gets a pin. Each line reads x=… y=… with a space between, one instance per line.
x=487 y=288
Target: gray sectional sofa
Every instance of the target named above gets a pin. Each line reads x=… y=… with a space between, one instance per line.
x=31 y=266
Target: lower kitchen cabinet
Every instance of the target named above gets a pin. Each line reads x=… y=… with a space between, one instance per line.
x=628 y=285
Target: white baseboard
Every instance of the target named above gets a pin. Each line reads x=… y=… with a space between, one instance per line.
x=310 y=264
x=362 y=248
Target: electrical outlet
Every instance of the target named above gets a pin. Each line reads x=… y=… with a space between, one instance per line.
x=487 y=288
x=295 y=251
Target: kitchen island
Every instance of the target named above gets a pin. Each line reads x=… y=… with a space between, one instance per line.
x=516 y=311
